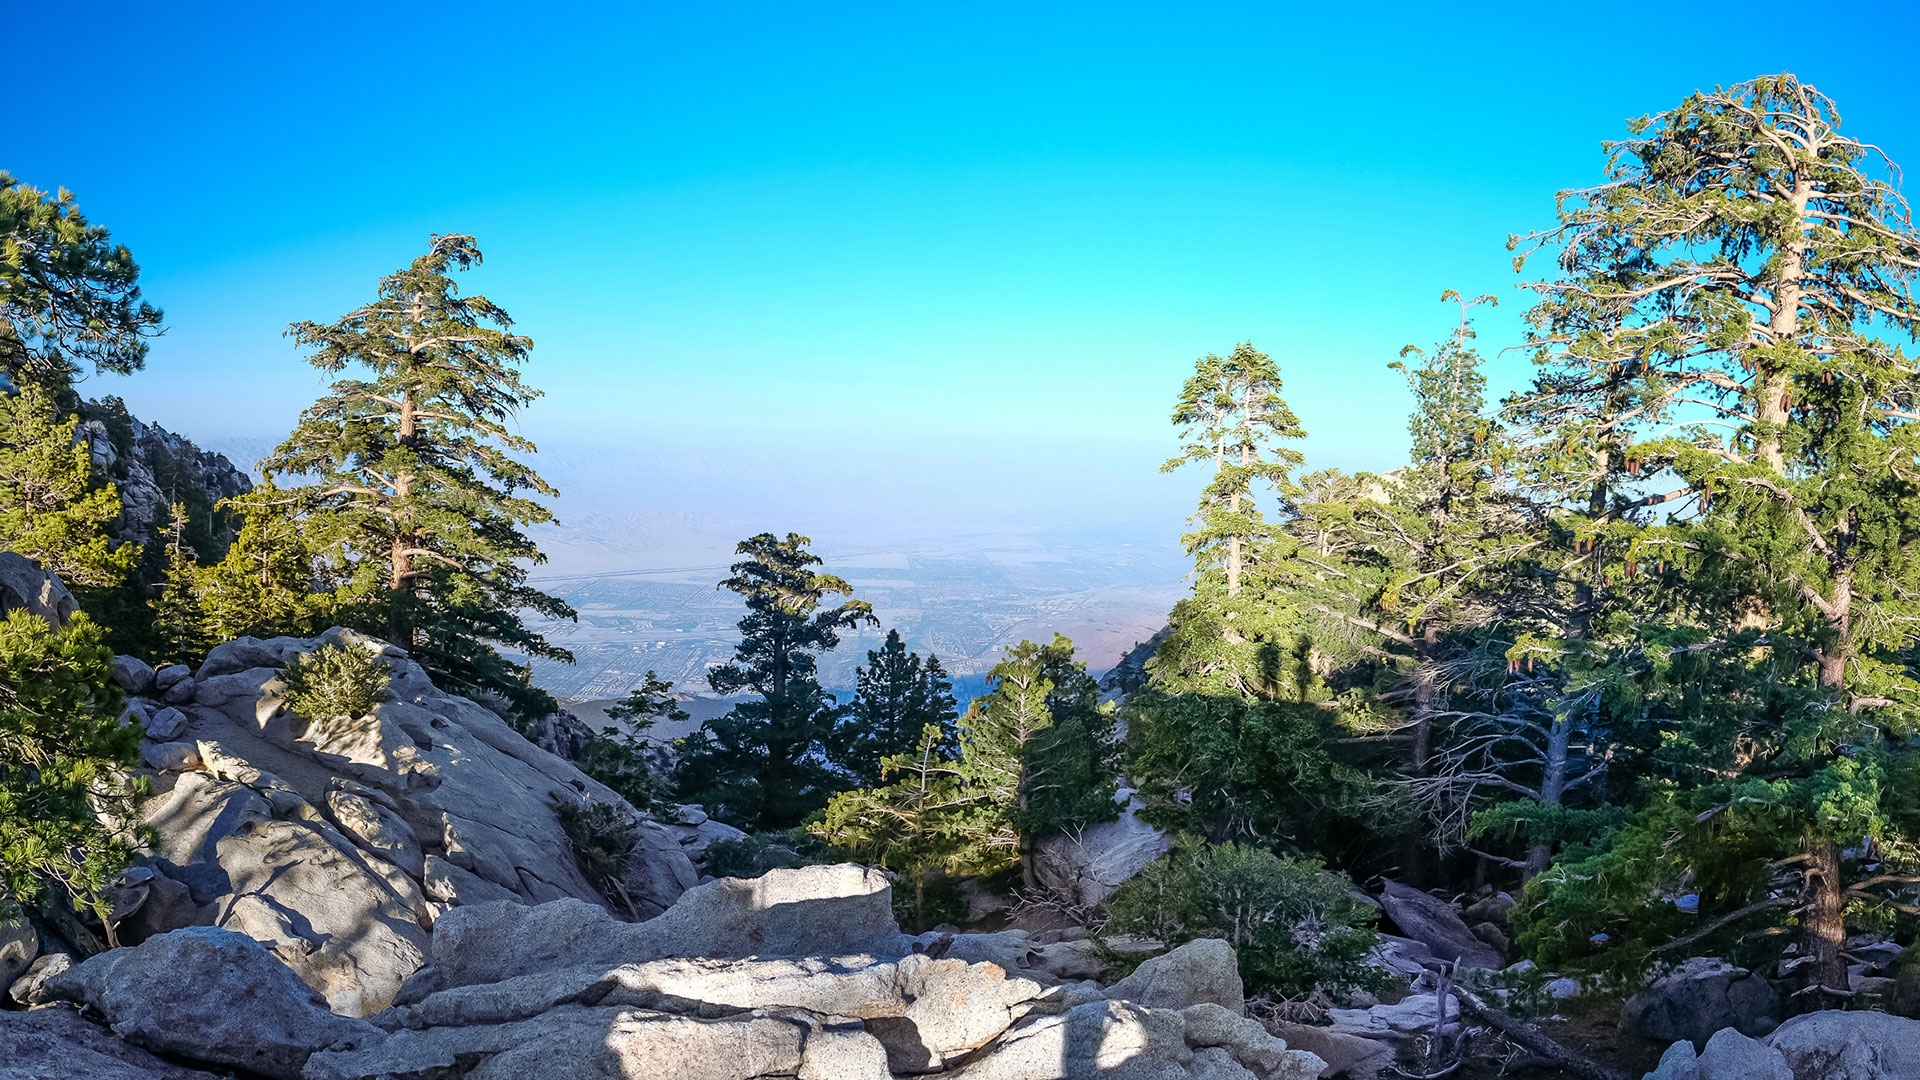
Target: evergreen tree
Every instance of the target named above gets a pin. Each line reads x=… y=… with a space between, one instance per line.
x=771 y=761
x=624 y=758
x=416 y=464
x=53 y=509
x=281 y=575
x=1033 y=770
x=178 y=618
x=923 y=822
x=68 y=294
x=1727 y=315
x=62 y=756
x=897 y=698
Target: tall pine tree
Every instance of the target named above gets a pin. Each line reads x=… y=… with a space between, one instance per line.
x=773 y=760
x=416 y=464
x=897 y=697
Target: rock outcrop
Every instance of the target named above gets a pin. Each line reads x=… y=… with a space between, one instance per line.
x=799 y=973
x=26 y=587
x=339 y=845
x=1700 y=997
x=212 y=995
x=1435 y=924
x=154 y=468
x=1085 y=866
x=56 y=1044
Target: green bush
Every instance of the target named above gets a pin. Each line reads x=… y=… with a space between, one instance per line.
x=1294 y=925
x=603 y=842
x=336 y=682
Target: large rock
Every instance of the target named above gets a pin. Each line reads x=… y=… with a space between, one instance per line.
x=1119 y=1040
x=133 y=674
x=26 y=587
x=31 y=988
x=341 y=843
x=1203 y=970
x=1351 y=1056
x=56 y=1044
x=1849 y=1046
x=1436 y=925
x=211 y=995
x=19 y=947
x=1732 y=1056
x=814 y=910
x=1700 y=997
x=1085 y=866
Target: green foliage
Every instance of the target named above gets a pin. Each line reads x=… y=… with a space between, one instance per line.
x=603 y=841
x=71 y=293
x=53 y=509
x=897 y=697
x=178 y=617
x=1294 y=925
x=756 y=853
x=415 y=478
x=338 y=681
x=62 y=749
x=622 y=757
x=923 y=825
x=774 y=760
x=276 y=577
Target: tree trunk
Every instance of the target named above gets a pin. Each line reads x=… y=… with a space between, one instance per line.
x=1553 y=788
x=1823 y=928
x=400 y=570
x=1416 y=862
x=1782 y=328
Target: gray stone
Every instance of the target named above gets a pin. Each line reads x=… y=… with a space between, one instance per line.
x=170 y=756
x=658 y=871
x=179 y=693
x=26 y=587
x=19 y=948
x=31 y=988
x=1086 y=865
x=1416 y=1014
x=449 y=884
x=57 y=1044
x=133 y=674
x=815 y=910
x=1732 y=1056
x=1251 y=1046
x=697 y=837
x=167 y=677
x=1436 y=925
x=1834 y=1045
x=376 y=828
x=1203 y=970
x=1678 y=1063
x=182 y=993
x=1401 y=956
x=1345 y=1055
x=166 y=723
x=1700 y=997
x=1491 y=909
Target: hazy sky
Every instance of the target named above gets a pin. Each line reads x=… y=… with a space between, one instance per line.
x=928 y=234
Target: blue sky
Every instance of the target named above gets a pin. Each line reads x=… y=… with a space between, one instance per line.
x=940 y=235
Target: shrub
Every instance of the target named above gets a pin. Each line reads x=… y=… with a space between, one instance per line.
x=1294 y=925
x=336 y=682
x=603 y=842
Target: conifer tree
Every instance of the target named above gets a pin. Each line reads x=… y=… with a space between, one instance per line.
x=416 y=464
x=178 y=619
x=63 y=752
x=68 y=295
x=773 y=760
x=53 y=509
x=280 y=575
x=1727 y=316
x=897 y=698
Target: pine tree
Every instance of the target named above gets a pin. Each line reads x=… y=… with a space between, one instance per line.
x=771 y=761
x=1727 y=316
x=53 y=509
x=624 y=758
x=922 y=820
x=416 y=465
x=178 y=618
x=279 y=575
x=68 y=294
x=897 y=698
x=63 y=753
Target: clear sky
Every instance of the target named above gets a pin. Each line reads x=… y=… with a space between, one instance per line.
x=910 y=230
